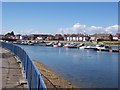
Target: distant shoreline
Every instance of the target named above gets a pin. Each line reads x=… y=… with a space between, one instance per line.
x=111 y=43
x=56 y=81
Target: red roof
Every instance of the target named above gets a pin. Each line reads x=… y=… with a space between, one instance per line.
x=96 y=35
x=74 y=35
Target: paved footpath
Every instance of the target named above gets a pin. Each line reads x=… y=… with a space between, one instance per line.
x=11 y=72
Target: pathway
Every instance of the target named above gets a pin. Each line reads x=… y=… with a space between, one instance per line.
x=11 y=71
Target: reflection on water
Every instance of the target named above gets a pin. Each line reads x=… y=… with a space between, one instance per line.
x=85 y=68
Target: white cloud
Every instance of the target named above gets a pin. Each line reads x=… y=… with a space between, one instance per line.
x=79 y=28
x=76 y=28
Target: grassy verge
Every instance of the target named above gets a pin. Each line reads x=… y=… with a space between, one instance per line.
x=116 y=43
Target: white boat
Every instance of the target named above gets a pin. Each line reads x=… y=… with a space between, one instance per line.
x=66 y=45
x=102 y=47
x=57 y=45
x=81 y=44
x=60 y=44
x=70 y=45
x=82 y=47
x=90 y=47
x=50 y=44
x=24 y=43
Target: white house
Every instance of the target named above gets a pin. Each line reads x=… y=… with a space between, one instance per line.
x=115 y=37
x=74 y=37
x=39 y=38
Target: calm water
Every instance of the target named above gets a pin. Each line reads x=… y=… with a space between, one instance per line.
x=85 y=68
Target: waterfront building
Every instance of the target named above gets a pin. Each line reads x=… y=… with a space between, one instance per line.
x=96 y=37
x=18 y=37
x=50 y=37
x=59 y=37
x=24 y=37
x=115 y=37
x=76 y=37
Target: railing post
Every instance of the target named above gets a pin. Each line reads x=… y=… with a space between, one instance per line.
x=26 y=66
x=31 y=76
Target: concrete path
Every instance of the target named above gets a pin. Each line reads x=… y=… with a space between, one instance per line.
x=11 y=72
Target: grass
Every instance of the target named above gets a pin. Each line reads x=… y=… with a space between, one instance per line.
x=111 y=42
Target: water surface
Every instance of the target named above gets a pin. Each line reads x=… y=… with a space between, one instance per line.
x=85 y=68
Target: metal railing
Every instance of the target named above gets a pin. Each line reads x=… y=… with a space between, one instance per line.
x=33 y=76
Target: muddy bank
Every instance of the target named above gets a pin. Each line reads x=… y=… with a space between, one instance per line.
x=52 y=79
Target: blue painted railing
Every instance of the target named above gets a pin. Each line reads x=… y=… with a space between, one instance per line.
x=33 y=76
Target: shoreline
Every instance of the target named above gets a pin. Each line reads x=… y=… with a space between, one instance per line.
x=52 y=79
x=111 y=43
x=88 y=42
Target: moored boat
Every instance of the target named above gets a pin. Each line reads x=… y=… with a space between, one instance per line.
x=70 y=45
x=55 y=45
x=90 y=47
x=82 y=47
x=24 y=43
x=102 y=48
x=50 y=44
x=58 y=45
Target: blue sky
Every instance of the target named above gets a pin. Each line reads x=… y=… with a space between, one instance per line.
x=59 y=17
x=60 y=0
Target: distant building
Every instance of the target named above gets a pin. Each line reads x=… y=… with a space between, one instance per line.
x=59 y=37
x=75 y=37
x=116 y=37
x=18 y=36
x=36 y=37
x=1 y=37
x=96 y=37
x=24 y=37
x=41 y=37
x=50 y=37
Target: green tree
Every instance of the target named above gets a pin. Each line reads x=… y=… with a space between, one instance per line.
x=10 y=34
x=111 y=37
